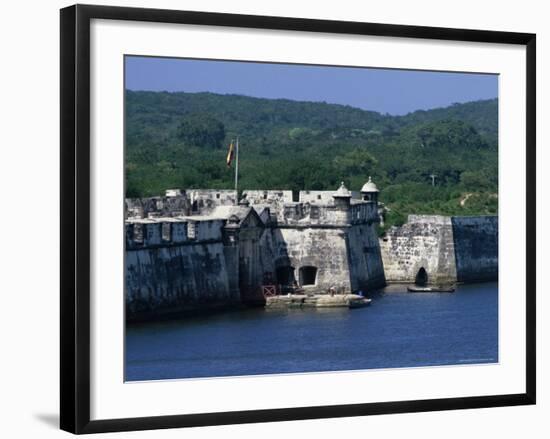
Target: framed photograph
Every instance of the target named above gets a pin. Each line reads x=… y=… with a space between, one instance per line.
x=274 y=218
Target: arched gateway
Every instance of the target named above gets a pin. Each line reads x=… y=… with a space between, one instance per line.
x=421 y=277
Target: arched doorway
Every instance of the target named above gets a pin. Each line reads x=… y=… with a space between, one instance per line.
x=421 y=277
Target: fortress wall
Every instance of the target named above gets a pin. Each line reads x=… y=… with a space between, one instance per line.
x=268 y=196
x=268 y=250
x=203 y=258
x=251 y=269
x=365 y=261
x=169 y=279
x=250 y=272
x=324 y=249
x=298 y=214
x=153 y=232
x=476 y=248
x=274 y=199
x=364 y=212
x=219 y=197
x=424 y=241
x=323 y=197
x=157 y=206
x=179 y=203
x=205 y=229
x=204 y=201
x=231 y=255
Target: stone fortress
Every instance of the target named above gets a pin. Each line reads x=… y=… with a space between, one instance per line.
x=441 y=250
x=200 y=249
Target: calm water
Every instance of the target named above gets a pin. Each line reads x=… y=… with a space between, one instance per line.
x=399 y=329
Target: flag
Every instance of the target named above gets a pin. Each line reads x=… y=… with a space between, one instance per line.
x=230 y=154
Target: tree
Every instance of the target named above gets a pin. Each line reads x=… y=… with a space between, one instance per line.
x=200 y=129
x=356 y=162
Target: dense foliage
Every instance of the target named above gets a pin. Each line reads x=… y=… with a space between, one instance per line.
x=180 y=140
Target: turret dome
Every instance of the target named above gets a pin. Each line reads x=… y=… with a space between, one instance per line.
x=342 y=192
x=369 y=186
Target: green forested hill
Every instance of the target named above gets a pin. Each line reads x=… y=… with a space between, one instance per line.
x=482 y=115
x=180 y=140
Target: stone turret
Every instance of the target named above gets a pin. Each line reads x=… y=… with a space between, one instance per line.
x=342 y=197
x=369 y=191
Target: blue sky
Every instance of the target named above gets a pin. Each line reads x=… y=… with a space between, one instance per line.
x=382 y=90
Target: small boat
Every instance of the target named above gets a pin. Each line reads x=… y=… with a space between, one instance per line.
x=434 y=289
x=359 y=303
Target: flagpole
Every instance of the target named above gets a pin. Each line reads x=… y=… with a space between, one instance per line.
x=237 y=173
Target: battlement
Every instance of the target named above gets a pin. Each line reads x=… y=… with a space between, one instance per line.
x=317 y=214
x=364 y=212
x=322 y=197
x=153 y=232
x=177 y=202
x=205 y=200
x=308 y=214
x=156 y=206
x=315 y=208
x=268 y=197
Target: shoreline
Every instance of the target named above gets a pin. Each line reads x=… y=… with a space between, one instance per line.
x=136 y=319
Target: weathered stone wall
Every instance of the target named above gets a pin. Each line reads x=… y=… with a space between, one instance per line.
x=169 y=279
x=306 y=214
x=365 y=260
x=322 y=197
x=179 y=203
x=450 y=249
x=251 y=269
x=273 y=197
x=425 y=241
x=202 y=229
x=322 y=248
x=157 y=207
x=476 y=248
x=203 y=201
x=195 y=249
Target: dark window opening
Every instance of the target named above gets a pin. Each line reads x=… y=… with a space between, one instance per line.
x=218 y=196
x=421 y=277
x=285 y=275
x=318 y=197
x=308 y=275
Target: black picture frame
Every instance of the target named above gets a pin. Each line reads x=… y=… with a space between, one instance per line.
x=75 y=217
